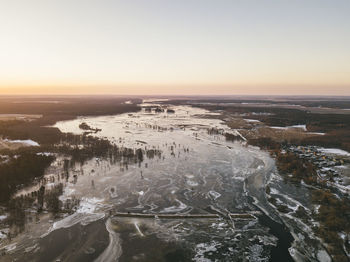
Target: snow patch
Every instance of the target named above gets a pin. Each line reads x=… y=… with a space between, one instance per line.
x=88 y=205
x=299 y=126
x=28 y=142
x=316 y=133
x=334 y=151
x=214 y=194
x=279 y=127
x=2 y=235
x=203 y=248
x=192 y=183
x=44 y=154
x=252 y=120
x=322 y=256
x=303 y=127
x=10 y=247
x=178 y=208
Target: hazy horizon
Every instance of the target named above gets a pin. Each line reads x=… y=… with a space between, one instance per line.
x=175 y=47
x=181 y=91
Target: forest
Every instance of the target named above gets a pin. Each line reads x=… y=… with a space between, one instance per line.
x=21 y=169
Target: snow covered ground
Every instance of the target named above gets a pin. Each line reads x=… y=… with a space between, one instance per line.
x=334 y=151
x=27 y=142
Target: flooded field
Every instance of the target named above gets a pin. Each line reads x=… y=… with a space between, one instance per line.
x=185 y=170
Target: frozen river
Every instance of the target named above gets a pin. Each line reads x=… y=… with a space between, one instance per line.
x=198 y=172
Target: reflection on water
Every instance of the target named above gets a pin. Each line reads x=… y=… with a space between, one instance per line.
x=197 y=172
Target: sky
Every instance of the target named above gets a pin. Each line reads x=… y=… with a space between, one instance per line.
x=189 y=47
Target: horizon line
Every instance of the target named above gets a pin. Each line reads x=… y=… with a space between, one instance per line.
x=172 y=95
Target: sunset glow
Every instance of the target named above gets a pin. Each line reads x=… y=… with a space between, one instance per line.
x=175 y=47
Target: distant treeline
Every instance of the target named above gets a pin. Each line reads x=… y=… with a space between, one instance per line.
x=340 y=103
x=273 y=116
x=63 y=109
x=336 y=126
x=334 y=139
x=66 y=106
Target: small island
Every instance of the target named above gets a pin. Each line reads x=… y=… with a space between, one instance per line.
x=85 y=126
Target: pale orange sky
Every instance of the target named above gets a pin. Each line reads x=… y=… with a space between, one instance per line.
x=181 y=90
x=175 y=47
